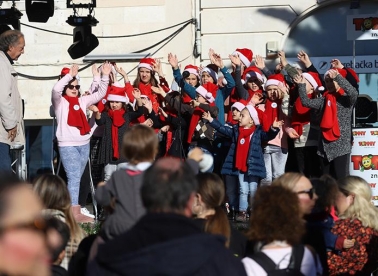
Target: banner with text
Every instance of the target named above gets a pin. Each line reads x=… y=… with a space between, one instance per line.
x=364 y=158
x=364 y=64
x=362 y=27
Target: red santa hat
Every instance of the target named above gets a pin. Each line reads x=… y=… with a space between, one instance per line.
x=192 y=69
x=206 y=91
x=147 y=63
x=64 y=71
x=314 y=80
x=275 y=79
x=253 y=112
x=117 y=94
x=238 y=105
x=253 y=71
x=212 y=70
x=245 y=55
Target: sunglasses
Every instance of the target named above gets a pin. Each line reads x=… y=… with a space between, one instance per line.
x=39 y=224
x=70 y=86
x=310 y=193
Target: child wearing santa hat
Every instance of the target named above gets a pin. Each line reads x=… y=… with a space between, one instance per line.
x=116 y=120
x=209 y=74
x=245 y=153
x=73 y=131
x=275 y=150
x=336 y=107
x=305 y=129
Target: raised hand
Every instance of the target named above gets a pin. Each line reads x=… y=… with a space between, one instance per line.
x=74 y=70
x=147 y=104
x=207 y=116
x=136 y=93
x=162 y=112
x=173 y=61
x=256 y=99
x=282 y=56
x=106 y=68
x=215 y=58
x=299 y=79
x=158 y=90
x=194 y=103
x=165 y=128
x=335 y=63
x=302 y=56
x=95 y=71
x=157 y=67
x=277 y=124
x=148 y=122
x=93 y=108
x=235 y=59
x=259 y=62
x=283 y=89
x=333 y=73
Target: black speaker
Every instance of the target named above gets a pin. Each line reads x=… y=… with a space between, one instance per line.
x=39 y=11
x=84 y=42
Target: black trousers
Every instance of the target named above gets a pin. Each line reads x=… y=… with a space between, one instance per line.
x=308 y=161
x=338 y=168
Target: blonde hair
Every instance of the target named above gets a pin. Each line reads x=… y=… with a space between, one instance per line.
x=53 y=192
x=288 y=180
x=361 y=208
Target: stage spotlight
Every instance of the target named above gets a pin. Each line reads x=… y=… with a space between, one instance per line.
x=10 y=17
x=366 y=110
x=40 y=10
x=84 y=41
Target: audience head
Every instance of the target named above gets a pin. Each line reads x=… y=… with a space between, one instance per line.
x=12 y=42
x=25 y=237
x=326 y=190
x=300 y=185
x=169 y=185
x=276 y=216
x=53 y=192
x=140 y=144
x=354 y=201
x=207 y=205
x=64 y=233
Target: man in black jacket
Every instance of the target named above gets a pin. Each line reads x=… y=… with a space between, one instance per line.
x=166 y=241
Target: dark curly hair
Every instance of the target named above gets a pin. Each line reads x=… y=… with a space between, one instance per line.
x=276 y=216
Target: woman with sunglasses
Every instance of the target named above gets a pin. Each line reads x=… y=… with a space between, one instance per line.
x=73 y=131
x=358 y=220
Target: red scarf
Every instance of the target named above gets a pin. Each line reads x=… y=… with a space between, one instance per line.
x=242 y=148
x=329 y=123
x=117 y=121
x=145 y=89
x=271 y=112
x=76 y=116
x=169 y=133
x=196 y=116
x=301 y=115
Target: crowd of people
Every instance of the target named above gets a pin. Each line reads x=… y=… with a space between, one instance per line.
x=164 y=210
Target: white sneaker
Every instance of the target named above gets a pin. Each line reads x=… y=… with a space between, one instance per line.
x=85 y=212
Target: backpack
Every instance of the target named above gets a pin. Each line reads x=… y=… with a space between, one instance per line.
x=272 y=269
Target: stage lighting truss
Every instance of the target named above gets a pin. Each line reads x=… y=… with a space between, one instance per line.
x=10 y=17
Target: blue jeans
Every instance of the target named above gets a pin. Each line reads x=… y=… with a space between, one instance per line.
x=275 y=161
x=74 y=160
x=5 y=159
x=248 y=185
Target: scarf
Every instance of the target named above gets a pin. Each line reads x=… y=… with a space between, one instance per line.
x=271 y=112
x=145 y=89
x=169 y=133
x=76 y=116
x=301 y=115
x=329 y=124
x=242 y=148
x=117 y=121
x=196 y=116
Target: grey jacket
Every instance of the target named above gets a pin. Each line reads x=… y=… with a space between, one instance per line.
x=10 y=103
x=345 y=103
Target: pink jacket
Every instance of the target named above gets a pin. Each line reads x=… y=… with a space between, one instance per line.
x=65 y=134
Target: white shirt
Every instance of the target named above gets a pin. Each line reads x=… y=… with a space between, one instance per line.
x=282 y=256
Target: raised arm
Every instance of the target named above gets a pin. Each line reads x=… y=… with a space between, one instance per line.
x=306 y=102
